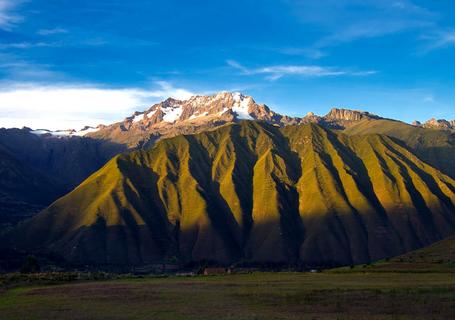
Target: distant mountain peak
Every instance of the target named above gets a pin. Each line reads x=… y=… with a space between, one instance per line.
x=349 y=115
x=64 y=133
x=436 y=124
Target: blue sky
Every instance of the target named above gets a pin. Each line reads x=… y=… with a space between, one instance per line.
x=68 y=63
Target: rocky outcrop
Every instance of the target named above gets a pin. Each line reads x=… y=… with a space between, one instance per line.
x=436 y=124
x=339 y=118
x=347 y=115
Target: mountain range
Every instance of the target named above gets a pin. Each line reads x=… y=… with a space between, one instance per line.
x=222 y=178
x=251 y=192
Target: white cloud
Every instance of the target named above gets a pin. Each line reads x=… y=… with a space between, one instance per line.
x=167 y=90
x=8 y=18
x=65 y=106
x=279 y=71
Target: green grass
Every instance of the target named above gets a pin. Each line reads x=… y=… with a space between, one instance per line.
x=245 y=296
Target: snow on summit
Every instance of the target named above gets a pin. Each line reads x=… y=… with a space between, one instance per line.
x=241 y=105
x=172 y=114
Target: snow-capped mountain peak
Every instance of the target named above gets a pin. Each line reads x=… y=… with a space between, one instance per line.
x=188 y=116
x=173 y=111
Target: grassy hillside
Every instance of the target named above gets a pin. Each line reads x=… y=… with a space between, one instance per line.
x=434 y=146
x=441 y=252
x=438 y=257
x=255 y=193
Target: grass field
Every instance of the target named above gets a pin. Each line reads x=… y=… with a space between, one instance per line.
x=243 y=296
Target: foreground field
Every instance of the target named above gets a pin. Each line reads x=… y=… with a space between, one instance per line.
x=248 y=296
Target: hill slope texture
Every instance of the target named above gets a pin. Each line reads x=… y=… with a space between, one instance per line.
x=434 y=146
x=251 y=192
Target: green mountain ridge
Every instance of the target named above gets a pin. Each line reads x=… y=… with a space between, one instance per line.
x=251 y=192
x=434 y=146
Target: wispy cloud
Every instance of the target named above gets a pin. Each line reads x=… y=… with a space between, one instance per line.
x=76 y=42
x=353 y=20
x=236 y=65
x=312 y=53
x=438 y=40
x=429 y=98
x=168 y=90
x=49 y=32
x=62 y=106
x=28 y=45
x=278 y=71
x=17 y=69
x=366 y=30
x=8 y=17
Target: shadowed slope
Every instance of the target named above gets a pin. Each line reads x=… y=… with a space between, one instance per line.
x=23 y=191
x=67 y=160
x=437 y=257
x=251 y=192
x=441 y=252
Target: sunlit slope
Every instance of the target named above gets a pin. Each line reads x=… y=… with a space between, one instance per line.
x=251 y=192
x=434 y=146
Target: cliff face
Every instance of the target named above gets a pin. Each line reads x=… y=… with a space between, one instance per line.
x=339 y=118
x=346 y=115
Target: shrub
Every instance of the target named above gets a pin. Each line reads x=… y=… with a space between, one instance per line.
x=30 y=265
